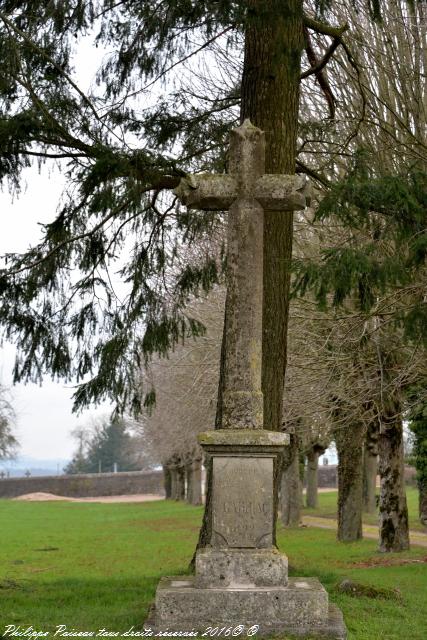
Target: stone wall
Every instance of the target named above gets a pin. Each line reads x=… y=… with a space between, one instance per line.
x=328 y=477
x=86 y=485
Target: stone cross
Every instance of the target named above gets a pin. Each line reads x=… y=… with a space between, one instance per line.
x=241 y=579
x=246 y=192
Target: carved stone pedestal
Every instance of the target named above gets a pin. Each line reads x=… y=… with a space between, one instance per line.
x=241 y=578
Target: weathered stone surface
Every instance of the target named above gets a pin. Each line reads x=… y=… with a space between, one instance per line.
x=207 y=191
x=250 y=439
x=277 y=192
x=302 y=602
x=246 y=191
x=332 y=629
x=242 y=510
x=232 y=567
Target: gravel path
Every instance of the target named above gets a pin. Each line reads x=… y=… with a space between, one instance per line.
x=47 y=497
x=369 y=531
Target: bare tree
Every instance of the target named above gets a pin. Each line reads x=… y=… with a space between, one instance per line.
x=8 y=442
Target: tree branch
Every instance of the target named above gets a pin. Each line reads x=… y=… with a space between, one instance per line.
x=302 y=168
x=324 y=28
x=317 y=69
x=324 y=61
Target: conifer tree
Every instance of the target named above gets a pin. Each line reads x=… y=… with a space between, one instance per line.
x=123 y=147
x=108 y=445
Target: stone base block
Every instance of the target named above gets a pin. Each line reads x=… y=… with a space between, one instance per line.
x=333 y=629
x=246 y=567
x=301 y=609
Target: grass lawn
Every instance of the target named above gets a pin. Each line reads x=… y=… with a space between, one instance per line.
x=94 y=566
x=328 y=509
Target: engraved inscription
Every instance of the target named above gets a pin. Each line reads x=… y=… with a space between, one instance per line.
x=242 y=502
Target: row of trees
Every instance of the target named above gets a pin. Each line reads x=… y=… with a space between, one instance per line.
x=355 y=123
x=361 y=248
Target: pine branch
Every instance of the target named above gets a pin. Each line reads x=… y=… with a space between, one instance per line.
x=43 y=154
x=58 y=67
x=170 y=67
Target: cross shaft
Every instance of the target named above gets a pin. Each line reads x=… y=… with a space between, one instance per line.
x=246 y=192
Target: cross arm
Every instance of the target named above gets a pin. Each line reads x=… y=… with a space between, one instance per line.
x=207 y=191
x=277 y=192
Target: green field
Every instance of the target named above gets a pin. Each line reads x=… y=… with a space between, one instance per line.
x=94 y=566
x=328 y=509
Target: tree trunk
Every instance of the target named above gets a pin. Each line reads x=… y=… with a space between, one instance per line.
x=370 y=466
x=270 y=98
x=189 y=482
x=270 y=83
x=349 y=442
x=167 y=479
x=174 y=483
x=394 y=533
x=422 y=502
x=312 y=478
x=301 y=479
x=370 y=471
x=290 y=491
x=180 y=483
x=274 y=40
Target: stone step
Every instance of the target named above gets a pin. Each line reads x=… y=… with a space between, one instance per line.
x=304 y=601
x=300 y=609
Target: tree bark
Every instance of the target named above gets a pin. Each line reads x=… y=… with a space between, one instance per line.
x=349 y=442
x=274 y=41
x=312 y=478
x=290 y=491
x=422 y=502
x=393 y=528
x=174 y=483
x=180 y=482
x=370 y=467
x=370 y=471
x=167 y=479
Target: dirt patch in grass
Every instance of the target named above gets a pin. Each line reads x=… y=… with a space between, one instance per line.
x=12 y=584
x=387 y=562
x=40 y=496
